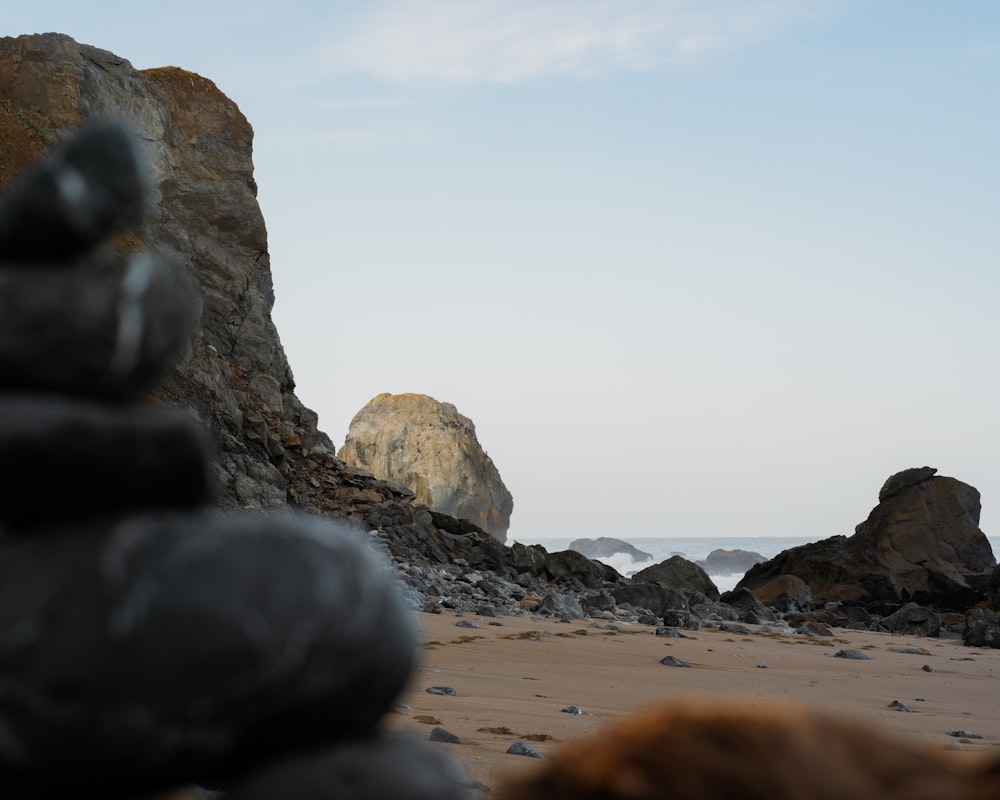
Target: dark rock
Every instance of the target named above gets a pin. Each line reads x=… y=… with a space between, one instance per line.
x=364 y=769
x=748 y=607
x=761 y=665
x=562 y=605
x=523 y=749
x=605 y=547
x=921 y=543
x=788 y=594
x=857 y=655
x=913 y=620
x=443 y=690
x=813 y=628
x=466 y=623
x=682 y=619
x=928 y=668
x=439 y=734
x=528 y=558
x=982 y=629
x=90 y=188
x=965 y=735
x=896 y=704
x=576 y=710
x=111 y=328
x=730 y=562
x=568 y=564
x=111 y=460
x=672 y=661
x=731 y=627
x=679 y=573
x=656 y=597
x=390 y=437
x=161 y=649
x=670 y=633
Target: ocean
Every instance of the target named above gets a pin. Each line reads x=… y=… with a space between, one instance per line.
x=696 y=549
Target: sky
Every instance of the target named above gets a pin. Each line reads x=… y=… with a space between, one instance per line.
x=692 y=267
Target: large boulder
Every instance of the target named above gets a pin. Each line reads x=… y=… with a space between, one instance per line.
x=679 y=573
x=730 y=562
x=427 y=446
x=921 y=543
x=606 y=546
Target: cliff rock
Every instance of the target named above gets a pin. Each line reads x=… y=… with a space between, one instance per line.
x=921 y=543
x=427 y=446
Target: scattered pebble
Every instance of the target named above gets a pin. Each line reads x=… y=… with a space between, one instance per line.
x=441 y=735
x=466 y=623
x=523 y=749
x=496 y=624
x=670 y=632
x=899 y=706
x=445 y=690
x=954 y=746
x=855 y=654
x=761 y=665
x=575 y=710
x=670 y=661
x=928 y=668
x=966 y=735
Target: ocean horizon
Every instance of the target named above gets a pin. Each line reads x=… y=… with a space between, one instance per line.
x=694 y=548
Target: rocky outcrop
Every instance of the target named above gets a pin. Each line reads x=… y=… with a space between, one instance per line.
x=679 y=573
x=606 y=546
x=921 y=543
x=729 y=562
x=427 y=446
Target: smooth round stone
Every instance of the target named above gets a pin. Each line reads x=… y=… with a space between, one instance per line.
x=111 y=328
x=106 y=460
x=390 y=768
x=82 y=193
x=174 y=649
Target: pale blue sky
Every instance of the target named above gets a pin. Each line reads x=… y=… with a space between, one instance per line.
x=693 y=268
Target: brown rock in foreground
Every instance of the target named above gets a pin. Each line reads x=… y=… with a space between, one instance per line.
x=427 y=446
x=921 y=543
x=693 y=751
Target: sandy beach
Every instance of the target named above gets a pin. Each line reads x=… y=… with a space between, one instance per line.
x=514 y=678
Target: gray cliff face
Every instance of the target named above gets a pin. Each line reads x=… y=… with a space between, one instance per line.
x=427 y=446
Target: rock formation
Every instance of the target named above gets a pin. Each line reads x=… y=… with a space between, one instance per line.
x=921 y=543
x=729 y=562
x=146 y=640
x=606 y=546
x=427 y=446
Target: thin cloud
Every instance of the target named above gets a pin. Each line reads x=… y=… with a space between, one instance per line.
x=507 y=41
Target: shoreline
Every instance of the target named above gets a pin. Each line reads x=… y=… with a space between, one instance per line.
x=514 y=678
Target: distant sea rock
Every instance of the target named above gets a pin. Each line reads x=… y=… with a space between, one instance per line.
x=730 y=562
x=606 y=546
x=432 y=450
x=921 y=543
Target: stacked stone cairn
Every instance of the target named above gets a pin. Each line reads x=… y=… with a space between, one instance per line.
x=147 y=640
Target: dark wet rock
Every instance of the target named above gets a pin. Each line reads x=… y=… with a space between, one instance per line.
x=788 y=594
x=899 y=706
x=731 y=627
x=119 y=460
x=982 y=628
x=928 y=668
x=568 y=564
x=363 y=769
x=748 y=608
x=672 y=661
x=963 y=734
x=682 y=619
x=652 y=596
x=466 y=623
x=921 y=543
x=606 y=546
x=669 y=632
x=576 y=710
x=439 y=734
x=523 y=749
x=913 y=620
x=856 y=655
x=679 y=573
x=442 y=690
x=158 y=649
x=813 y=628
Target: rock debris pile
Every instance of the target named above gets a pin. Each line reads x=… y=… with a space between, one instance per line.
x=147 y=639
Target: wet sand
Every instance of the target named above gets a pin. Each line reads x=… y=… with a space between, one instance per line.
x=513 y=681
